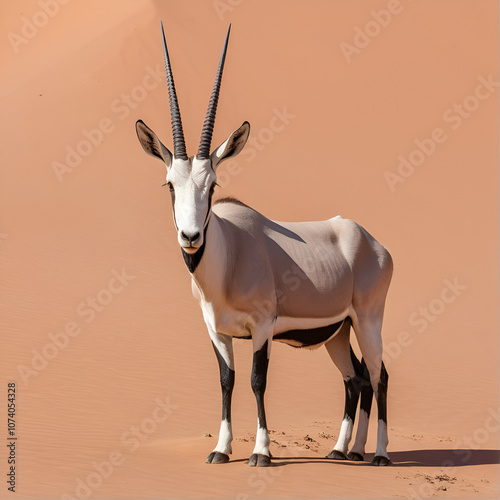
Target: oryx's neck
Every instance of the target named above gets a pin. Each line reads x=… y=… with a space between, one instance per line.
x=208 y=266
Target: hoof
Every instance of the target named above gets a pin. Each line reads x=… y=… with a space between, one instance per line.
x=381 y=461
x=258 y=460
x=336 y=455
x=217 y=458
x=355 y=457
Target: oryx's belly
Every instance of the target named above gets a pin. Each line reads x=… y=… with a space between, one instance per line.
x=296 y=331
x=287 y=323
x=307 y=332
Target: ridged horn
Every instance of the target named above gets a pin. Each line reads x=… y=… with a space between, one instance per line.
x=208 y=124
x=175 y=114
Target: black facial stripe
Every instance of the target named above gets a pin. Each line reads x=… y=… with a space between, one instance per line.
x=172 y=194
x=210 y=194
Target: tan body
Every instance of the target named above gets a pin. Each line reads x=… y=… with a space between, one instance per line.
x=294 y=275
x=259 y=278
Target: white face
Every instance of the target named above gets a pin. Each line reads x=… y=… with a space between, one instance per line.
x=191 y=184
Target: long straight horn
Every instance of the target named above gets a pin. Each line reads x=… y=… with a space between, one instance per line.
x=175 y=114
x=208 y=124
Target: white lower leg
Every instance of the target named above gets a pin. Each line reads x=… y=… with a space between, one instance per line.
x=361 y=434
x=262 y=442
x=382 y=439
x=225 y=438
x=345 y=435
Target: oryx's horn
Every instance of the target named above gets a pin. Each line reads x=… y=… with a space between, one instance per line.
x=208 y=124
x=177 y=132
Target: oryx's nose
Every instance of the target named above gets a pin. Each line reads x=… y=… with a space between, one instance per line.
x=190 y=238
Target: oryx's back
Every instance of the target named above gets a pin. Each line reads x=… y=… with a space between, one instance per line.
x=315 y=270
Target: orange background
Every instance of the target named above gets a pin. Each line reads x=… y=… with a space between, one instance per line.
x=63 y=235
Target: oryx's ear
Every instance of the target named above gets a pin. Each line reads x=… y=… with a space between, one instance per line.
x=151 y=144
x=232 y=146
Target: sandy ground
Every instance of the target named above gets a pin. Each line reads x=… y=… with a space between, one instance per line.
x=117 y=392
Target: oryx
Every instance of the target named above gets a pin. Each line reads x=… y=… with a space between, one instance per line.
x=301 y=283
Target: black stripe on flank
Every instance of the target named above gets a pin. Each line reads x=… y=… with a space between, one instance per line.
x=308 y=338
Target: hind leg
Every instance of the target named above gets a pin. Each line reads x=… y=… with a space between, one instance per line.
x=357 y=452
x=342 y=355
x=381 y=457
x=368 y=333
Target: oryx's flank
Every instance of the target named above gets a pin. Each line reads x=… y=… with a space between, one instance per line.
x=301 y=283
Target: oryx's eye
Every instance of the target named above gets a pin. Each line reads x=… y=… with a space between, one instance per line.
x=169 y=184
x=212 y=187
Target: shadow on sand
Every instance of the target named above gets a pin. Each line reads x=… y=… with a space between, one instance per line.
x=410 y=458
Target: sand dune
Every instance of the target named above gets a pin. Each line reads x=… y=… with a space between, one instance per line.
x=387 y=113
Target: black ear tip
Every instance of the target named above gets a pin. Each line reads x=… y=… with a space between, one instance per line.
x=140 y=125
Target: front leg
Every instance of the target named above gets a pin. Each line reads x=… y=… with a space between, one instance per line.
x=223 y=347
x=261 y=456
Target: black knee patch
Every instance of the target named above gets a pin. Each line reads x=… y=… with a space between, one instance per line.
x=352 y=390
x=366 y=373
x=259 y=370
x=384 y=376
x=358 y=368
x=366 y=390
x=259 y=380
x=382 y=394
x=227 y=384
x=226 y=377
